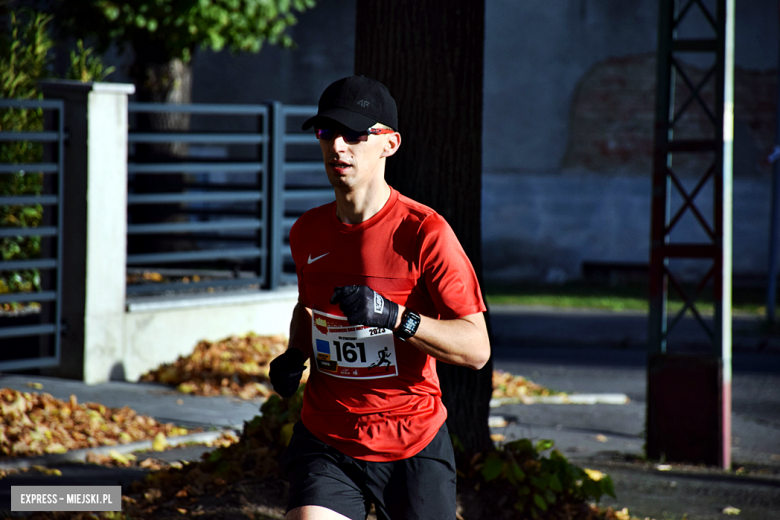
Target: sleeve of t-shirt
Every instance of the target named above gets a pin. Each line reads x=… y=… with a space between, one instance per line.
x=295 y=231
x=447 y=271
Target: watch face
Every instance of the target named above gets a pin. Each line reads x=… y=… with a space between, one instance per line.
x=410 y=323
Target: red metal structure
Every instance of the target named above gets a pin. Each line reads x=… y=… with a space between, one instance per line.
x=689 y=394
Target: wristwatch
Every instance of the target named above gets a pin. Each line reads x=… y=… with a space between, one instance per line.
x=409 y=323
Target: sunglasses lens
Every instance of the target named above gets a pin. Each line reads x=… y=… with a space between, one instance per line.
x=324 y=133
x=349 y=136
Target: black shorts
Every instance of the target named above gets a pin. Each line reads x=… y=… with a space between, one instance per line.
x=421 y=487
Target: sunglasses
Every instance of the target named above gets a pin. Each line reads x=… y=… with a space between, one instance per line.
x=350 y=136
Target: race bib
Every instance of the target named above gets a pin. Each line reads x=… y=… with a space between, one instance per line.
x=352 y=351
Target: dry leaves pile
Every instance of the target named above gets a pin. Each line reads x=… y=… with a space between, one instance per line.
x=152 y=276
x=236 y=366
x=216 y=486
x=253 y=457
x=508 y=385
x=36 y=424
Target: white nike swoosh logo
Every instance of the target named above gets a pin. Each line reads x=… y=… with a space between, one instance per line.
x=312 y=260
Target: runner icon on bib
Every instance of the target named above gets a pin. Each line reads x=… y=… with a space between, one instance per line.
x=352 y=351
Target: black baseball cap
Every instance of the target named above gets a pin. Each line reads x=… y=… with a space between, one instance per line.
x=356 y=102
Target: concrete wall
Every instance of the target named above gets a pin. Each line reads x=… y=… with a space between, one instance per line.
x=560 y=221
x=158 y=331
x=538 y=51
x=568 y=121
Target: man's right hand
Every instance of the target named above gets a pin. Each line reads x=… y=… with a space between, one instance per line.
x=286 y=371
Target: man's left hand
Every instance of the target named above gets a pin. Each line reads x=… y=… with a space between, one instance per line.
x=364 y=306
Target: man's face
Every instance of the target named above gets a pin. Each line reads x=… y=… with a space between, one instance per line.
x=351 y=164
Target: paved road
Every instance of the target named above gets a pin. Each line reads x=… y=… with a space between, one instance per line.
x=596 y=352
x=155 y=400
x=755 y=401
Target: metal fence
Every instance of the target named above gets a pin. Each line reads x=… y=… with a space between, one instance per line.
x=31 y=236
x=210 y=210
x=301 y=181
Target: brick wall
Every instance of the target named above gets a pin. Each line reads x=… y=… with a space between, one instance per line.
x=613 y=112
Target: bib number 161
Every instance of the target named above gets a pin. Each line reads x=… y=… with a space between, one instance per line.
x=349 y=351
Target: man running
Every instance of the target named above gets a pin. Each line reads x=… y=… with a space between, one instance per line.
x=378 y=273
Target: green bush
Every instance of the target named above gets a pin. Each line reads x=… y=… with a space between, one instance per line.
x=25 y=57
x=539 y=486
x=84 y=66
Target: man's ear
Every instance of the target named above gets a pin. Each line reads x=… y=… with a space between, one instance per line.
x=392 y=143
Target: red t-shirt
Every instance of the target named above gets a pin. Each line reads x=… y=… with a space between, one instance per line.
x=409 y=254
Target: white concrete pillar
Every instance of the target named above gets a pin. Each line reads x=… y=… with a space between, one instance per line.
x=95 y=228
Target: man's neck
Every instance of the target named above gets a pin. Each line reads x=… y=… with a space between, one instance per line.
x=354 y=207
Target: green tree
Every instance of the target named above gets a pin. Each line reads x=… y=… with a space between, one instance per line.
x=429 y=53
x=165 y=34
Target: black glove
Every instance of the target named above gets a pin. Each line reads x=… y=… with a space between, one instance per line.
x=286 y=371
x=364 y=306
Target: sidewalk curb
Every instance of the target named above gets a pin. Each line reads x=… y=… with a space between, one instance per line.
x=81 y=455
x=562 y=399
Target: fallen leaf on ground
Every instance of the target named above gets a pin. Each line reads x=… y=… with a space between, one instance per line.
x=508 y=385
x=593 y=474
x=47 y=471
x=160 y=442
x=122 y=459
x=153 y=464
x=497 y=421
x=622 y=514
x=35 y=424
x=236 y=366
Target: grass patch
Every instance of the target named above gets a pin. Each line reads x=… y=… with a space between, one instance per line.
x=583 y=295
